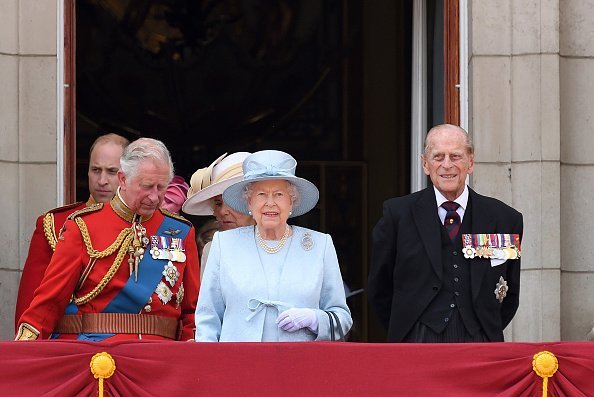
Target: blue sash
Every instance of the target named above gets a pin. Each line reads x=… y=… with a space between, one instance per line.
x=135 y=294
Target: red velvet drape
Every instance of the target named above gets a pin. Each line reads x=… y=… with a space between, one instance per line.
x=146 y=368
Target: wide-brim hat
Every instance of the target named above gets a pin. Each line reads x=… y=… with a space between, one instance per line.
x=266 y=165
x=211 y=181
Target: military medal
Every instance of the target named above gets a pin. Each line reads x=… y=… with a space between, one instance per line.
x=155 y=251
x=501 y=289
x=502 y=246
x=171 y=273
x=307 y=242
x=169 y=248
x=163 y=292
x=177 y=250
x=469 y=252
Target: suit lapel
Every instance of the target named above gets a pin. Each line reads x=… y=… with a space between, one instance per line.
x=482 y=222
x=429 y=227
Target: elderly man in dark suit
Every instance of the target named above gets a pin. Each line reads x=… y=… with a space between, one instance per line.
x=445 y=264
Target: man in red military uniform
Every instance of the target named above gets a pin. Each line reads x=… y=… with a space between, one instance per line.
x=104 y=163
x=124 y=269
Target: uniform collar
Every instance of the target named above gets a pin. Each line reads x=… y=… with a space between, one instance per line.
x=123 y=211
x=90 y=201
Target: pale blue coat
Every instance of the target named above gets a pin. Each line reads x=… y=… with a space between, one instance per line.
x=234 y=296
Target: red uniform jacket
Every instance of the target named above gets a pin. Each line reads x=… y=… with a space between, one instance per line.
x=41 y=250
x=71 y=257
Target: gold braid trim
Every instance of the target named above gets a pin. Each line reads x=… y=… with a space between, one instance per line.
x=86 y=210
x=27 y=332
x=175 y=216
x=93 y=253
x=49 y=225
x=49 y=231
x=122 y=242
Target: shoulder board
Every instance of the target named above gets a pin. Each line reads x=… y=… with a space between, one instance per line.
x=175 y=216
x=49 y=226
x=87 y=210
x=63 y=208
x=48 y=230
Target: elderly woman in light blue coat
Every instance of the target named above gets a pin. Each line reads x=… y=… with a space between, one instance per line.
x=271 y=282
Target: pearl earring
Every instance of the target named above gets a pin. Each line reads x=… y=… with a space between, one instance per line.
x=290 y=213
x=250 y=213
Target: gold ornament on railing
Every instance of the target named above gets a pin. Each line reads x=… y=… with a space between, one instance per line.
x=102 y=367
x=545 y=365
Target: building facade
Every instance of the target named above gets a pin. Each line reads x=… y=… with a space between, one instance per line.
x=527 y=81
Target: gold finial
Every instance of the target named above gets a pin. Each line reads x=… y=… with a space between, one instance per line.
x=545 y=365
x=102 y=367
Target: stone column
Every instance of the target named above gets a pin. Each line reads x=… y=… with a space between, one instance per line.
x=514 y=120
x=28 y=30
x=577 y=168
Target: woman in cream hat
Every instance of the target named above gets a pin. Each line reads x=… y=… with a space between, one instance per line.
x=271 y=282
x=205 y=195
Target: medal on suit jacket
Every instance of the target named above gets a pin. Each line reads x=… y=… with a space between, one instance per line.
x=501 y=289
x=491 y=246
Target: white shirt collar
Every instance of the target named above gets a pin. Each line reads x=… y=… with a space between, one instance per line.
x=462 y=199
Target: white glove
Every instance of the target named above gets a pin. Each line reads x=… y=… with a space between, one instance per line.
x=294 y=319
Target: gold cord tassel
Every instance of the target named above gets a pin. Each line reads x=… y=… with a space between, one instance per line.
x=139 y=242
x=545 y=365
x=102 y=367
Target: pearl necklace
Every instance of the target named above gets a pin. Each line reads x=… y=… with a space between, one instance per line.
x=281 y=243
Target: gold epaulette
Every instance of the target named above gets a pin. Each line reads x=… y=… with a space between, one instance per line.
x=49 y=228
x=64 y=208
x=175 y=216
x=86 y=210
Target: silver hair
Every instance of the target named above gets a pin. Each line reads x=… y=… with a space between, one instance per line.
x=467 y=140
x=141 y=150
x=292 y=189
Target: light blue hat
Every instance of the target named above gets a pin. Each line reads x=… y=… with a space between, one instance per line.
x=272 y=164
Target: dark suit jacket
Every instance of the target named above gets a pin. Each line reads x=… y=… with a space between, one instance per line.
x=406 y=269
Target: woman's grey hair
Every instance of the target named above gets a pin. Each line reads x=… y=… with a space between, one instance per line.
x=144 y=149
x=293 y=192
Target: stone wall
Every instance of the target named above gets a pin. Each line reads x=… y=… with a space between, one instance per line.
x=531 y=115
x=577 y=167
x=28 y=38
x=514 y=118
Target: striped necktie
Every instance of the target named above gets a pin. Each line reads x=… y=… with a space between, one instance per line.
x=452 y=219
